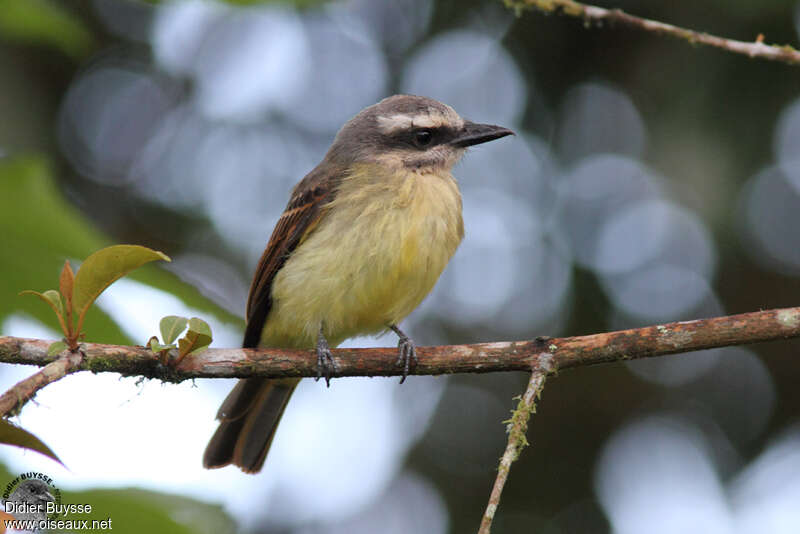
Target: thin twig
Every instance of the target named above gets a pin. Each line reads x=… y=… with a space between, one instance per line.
x=517 y=440
x=599 y=15
x=12 y=401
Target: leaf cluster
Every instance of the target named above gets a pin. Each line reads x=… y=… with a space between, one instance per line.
x=77 y=292
x=196 y=340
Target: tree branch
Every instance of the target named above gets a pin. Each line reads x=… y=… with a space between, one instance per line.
x=542 y=356
x=517 y=429
x=598 y=16
x=12 y=401
x=566 y=352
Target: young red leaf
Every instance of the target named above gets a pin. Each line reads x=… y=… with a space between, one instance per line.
x=65 y=284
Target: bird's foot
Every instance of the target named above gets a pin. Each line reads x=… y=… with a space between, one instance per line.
x=326 y=365
x=406 y=351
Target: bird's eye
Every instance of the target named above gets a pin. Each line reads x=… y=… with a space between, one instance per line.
x=423 y=137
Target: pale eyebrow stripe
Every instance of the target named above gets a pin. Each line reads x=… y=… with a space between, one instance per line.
x=393 y=123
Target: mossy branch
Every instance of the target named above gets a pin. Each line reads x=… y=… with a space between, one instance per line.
x=565 y=352
x=517 y=438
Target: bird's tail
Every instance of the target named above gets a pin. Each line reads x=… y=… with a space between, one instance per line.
x=248 y=420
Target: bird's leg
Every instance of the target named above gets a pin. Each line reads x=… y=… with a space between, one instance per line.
x=326 y=365
x=406 y=351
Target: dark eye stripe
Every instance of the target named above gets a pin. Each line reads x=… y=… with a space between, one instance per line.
x=408 y=138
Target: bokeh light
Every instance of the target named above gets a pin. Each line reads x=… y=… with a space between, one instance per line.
x=483 y=83
x=597 y=119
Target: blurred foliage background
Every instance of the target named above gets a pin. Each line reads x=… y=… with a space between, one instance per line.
x=650 y=181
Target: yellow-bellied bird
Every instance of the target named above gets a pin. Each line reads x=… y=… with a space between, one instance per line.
x=363 y=240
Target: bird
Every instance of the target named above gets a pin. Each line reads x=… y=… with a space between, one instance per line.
x=29 y=500
x=362 y=241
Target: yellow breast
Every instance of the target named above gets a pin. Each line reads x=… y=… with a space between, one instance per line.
x=377 y=252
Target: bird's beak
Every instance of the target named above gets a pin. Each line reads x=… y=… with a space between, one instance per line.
x=474 y=134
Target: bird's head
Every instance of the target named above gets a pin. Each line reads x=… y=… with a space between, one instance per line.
x=32 y=492
x=412 y=132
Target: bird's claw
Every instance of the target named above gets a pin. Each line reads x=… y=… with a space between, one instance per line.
x=326 y=365
x=406 y=352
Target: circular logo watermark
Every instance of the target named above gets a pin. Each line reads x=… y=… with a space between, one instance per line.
x=32 y=503
x=32 y=496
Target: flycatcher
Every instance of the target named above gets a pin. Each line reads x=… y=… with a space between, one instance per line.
x=363 y=240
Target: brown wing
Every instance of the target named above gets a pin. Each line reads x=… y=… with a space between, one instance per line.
x=301 y=215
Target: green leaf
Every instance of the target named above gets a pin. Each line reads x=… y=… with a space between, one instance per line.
x=56 y=347
x=45 y=22
x=49 y=297
x=42 y=228
x=200 y=326
x=171 y=327
x=134 y=511
x=52 y=298
x=155 y=346
x=103 y=268
x=197 y=339
x=11 y=434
